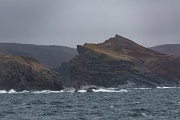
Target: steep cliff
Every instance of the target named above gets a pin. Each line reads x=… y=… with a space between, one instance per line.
x=120 y=62
x=25 y=73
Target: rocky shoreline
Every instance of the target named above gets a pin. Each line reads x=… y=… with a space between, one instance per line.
x=117 y=62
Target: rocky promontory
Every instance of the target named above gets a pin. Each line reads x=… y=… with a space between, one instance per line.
x=120 y=62
x=25 y=73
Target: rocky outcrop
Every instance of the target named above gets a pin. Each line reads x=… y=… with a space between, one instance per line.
x=119 y=62
x=25 y=73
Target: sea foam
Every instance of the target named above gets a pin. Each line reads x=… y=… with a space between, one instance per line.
x=106 y=90
x=12 y=91
x=110 y=90
x=167 y=87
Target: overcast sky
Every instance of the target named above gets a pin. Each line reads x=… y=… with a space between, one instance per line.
x=72 y=22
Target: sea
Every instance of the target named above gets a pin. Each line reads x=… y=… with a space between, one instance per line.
x=103 y=104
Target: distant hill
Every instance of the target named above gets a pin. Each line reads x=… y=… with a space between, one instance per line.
x=50 y=56
x=173 y=49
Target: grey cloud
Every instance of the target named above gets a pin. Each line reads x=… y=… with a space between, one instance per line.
x=72 y=22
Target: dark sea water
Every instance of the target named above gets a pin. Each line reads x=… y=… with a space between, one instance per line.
x=131 y=104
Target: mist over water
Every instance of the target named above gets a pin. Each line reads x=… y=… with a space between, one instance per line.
x=130 y=104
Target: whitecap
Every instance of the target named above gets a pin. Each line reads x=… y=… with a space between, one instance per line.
x=46 y=92
x=142 y=88
x=110 y=90
x=167 y=87
x=100 y=90
x=12 y=91
x=25 y=91
x=3 y=91
x=82 y=91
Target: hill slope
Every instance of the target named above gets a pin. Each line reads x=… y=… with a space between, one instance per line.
x=120 y=62
x=173 y=49
x=49 y=56
x=25 y=73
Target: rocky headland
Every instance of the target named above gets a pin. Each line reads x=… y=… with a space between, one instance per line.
x=120 y=62
x=25 y=73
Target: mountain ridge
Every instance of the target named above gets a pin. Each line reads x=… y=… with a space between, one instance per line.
x=172 y=49
x=50 y=56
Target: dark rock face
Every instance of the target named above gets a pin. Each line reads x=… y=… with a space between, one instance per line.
x=25 y=73
x=119 y=62
x=64 y=73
